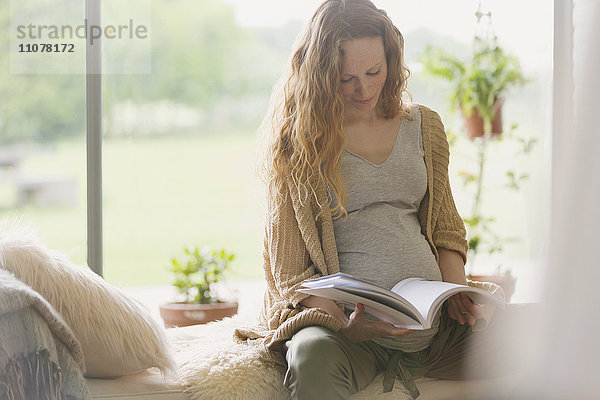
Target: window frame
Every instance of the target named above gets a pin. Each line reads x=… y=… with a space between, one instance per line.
x=93 y=109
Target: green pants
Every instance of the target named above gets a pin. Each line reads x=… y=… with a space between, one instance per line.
x=323 y=364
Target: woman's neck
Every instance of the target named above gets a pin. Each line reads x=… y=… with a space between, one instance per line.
x=363 y=118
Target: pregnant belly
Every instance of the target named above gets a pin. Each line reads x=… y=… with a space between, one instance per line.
x=384 y=250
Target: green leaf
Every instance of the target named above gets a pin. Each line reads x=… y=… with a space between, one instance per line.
x=474 y=243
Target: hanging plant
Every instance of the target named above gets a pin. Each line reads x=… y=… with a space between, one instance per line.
x=479 y=85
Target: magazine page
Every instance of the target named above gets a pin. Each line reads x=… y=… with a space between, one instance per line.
x=428 y=296
x=372 y=307
x=396 y=302
x=366 y=289
x=341 y=279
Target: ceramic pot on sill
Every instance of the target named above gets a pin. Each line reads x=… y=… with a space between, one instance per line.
x=185 y=314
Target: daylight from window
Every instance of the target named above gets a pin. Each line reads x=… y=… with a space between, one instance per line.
x=179 y=142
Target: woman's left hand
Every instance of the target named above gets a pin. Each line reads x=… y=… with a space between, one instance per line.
x=463 y=310
x=460 y=307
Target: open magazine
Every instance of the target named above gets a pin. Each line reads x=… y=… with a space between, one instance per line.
x=412 y=303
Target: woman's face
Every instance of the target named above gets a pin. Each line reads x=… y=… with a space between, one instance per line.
x=364 y=71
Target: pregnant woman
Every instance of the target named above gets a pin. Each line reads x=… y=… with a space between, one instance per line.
x=357 y=182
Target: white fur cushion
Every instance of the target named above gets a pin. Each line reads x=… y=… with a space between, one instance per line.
x=117 y=334
x=211 y=366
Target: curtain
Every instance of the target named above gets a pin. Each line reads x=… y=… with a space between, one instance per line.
x=567 y=358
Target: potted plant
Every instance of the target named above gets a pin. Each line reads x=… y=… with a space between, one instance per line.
x=479 y=85
x=195 y=276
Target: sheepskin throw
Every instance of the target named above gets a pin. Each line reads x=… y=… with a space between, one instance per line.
x=212 y=366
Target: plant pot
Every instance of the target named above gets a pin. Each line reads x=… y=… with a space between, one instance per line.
x=474 y=123
x=506 y=283
x=184 y=314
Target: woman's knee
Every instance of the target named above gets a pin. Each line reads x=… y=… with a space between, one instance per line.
x=315 y=348
x=318 y=367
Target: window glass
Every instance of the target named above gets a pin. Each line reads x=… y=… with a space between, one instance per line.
x=42 y=122
x=179 y=142
x=186 y=85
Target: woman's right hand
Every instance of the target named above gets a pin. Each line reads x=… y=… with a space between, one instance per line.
x=360 y=328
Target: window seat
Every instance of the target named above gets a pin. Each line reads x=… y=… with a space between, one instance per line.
x=149 y=385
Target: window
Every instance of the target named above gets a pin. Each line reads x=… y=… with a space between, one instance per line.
x=179 y=127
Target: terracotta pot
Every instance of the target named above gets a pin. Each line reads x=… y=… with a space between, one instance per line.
x=474 y=123
x=184 y=314
x=507 y=284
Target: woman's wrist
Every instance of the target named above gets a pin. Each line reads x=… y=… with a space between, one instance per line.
x=452 y=266
x=328 y=305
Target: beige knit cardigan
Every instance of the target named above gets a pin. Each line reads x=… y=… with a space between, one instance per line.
x=297 y=246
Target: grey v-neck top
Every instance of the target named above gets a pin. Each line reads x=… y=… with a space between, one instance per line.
x=381 y=239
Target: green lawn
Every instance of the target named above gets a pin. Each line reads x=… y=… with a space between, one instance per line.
x=160 y=195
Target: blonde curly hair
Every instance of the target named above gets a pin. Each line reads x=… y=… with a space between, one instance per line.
x=302 y=135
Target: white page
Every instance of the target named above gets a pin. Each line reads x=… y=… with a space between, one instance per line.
x=396 y=302
x=374 y=308
x=366 y=289
x=425 y=295
x=422 y=294
x=341 y=279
